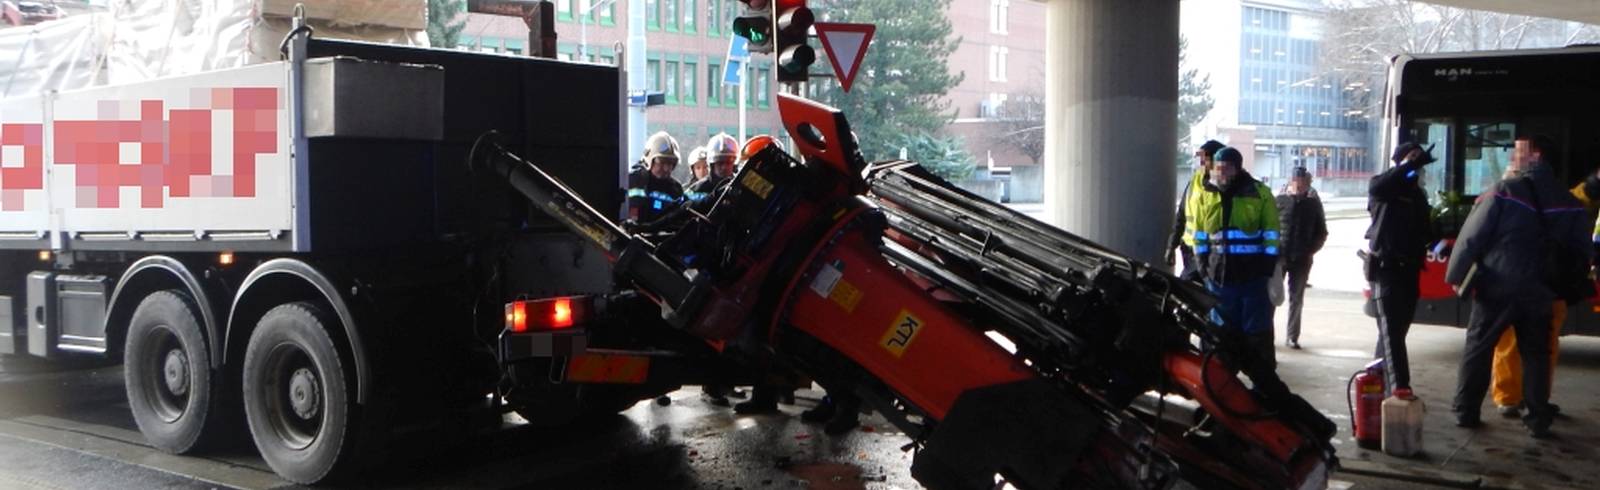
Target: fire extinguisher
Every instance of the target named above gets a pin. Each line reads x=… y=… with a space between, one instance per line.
x=1365 y=398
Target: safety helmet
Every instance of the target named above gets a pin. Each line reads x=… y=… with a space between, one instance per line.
x=722 y=145
x=660 y=146
x=698 y=155
x=757 y=143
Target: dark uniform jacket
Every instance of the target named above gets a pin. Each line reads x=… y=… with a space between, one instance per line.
x=1401 y=229
x=1303 y=226
x=650 y=197
x=1505 y=236
x=703 y=193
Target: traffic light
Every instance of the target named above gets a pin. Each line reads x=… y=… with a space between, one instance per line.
x=795 y=55
x=755 y=25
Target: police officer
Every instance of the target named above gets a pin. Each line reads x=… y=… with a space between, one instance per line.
x=722 y=151
x=1397 y=243
x=652 y=193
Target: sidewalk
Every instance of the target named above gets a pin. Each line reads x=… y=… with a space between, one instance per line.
x=1338 y=341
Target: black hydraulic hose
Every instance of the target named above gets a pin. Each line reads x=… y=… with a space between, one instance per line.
x=549 y=195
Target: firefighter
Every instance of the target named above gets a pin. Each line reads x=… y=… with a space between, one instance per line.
x=1518 y=252
x=722 y=151
x=652 y=193
x=699 y=169
x=1202 y=165
x=1232 y=225
x=1506 y=387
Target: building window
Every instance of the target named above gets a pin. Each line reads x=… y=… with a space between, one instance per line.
x=564 y=10
x=690 y=13
x=691 y=72
x=652 y=14
x=713 y=82
x=997 y=63
x=714 y=18
x=671 y=69
x=762 y=89
x=999 y=16
x=670 y=14
x=652 y=72
x=991 y=107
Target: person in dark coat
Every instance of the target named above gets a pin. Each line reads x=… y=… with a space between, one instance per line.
x=1304 y=230
x=1397 y=244
x=1525 y=227
x=1203 y=160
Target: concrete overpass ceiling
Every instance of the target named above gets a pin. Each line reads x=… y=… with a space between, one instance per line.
x=1586 y=11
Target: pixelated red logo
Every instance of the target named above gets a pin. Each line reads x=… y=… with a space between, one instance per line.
x=169 y=156
x=21 y=163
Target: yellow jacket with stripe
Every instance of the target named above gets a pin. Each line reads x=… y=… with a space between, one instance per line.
x=1233 y=230
x=1588 y=192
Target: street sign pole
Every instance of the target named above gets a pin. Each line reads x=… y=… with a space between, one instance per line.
x=736 y=70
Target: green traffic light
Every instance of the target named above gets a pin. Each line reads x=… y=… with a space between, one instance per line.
x=754 y=29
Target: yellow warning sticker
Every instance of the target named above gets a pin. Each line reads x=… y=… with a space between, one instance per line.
x=846 y=295
x=901 y=333
x=757 y=184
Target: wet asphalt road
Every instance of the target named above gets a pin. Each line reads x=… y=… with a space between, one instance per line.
x=71 y=428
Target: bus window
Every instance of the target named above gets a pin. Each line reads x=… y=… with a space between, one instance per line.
x=1488 y=154
x=1435 y=133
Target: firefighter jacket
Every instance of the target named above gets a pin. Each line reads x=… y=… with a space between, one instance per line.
x=650 y=197
x=702 y=194
x=1233 y=230
x=1506 y=237
x=1304 y=226
x=1401 y=228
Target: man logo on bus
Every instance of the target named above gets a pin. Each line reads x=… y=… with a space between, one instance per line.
x=1453 y=73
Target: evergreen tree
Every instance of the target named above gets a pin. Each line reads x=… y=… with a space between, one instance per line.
x=446 y=19
x=897 y=100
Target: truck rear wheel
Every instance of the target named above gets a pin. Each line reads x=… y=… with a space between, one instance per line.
x=297 y=396
x=167 y=371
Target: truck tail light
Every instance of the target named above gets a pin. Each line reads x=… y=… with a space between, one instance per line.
x=546 y=314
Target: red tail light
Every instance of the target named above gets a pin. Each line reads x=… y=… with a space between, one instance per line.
x=546 y=314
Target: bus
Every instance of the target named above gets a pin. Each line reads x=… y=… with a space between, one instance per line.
x=1471 y=107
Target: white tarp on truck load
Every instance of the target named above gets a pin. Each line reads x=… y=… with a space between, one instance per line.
x=178 y=37
x=138 y=40
x=56 y=55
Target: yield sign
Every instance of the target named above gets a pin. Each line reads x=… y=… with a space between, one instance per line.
x=845 y=44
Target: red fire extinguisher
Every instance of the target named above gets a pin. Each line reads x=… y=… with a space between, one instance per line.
x=1366 y=404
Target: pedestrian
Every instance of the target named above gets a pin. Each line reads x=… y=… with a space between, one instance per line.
x=1397 y=242
x=1232 y=225
x=1510 y=258
x=722 y=151
x=1505 y=386
x=1305 y=229
x=1202 y=166
x=652 y=192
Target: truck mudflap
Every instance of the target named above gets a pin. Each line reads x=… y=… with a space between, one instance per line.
x=1003 y=345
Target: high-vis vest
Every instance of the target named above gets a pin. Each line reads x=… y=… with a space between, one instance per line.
x=1234 y=236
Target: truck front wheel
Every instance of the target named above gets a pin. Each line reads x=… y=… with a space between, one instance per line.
x=296 y=395
x=167 y=372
